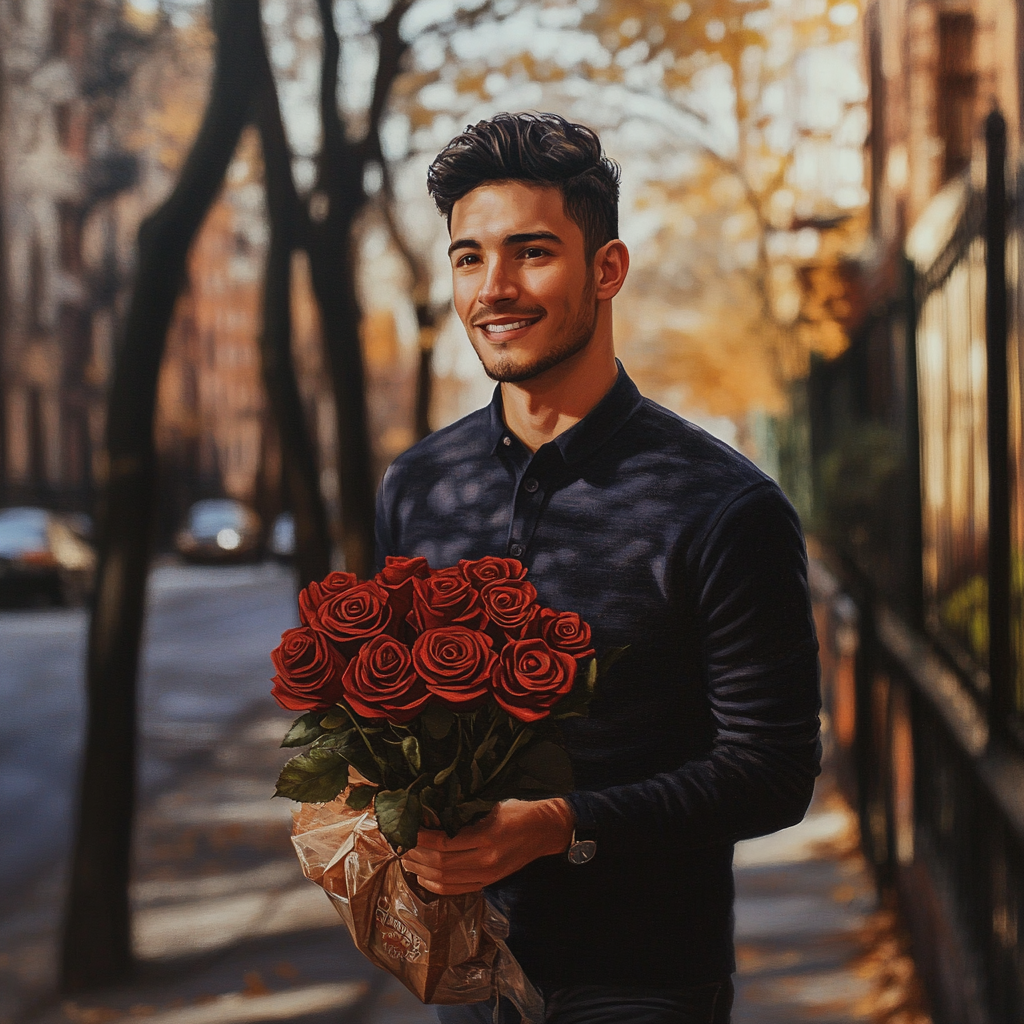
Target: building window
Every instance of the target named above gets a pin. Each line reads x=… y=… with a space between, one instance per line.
x=957 y=89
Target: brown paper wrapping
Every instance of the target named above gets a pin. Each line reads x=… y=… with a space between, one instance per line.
x=444 y=949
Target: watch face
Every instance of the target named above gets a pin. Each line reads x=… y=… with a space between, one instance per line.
x=581 y=852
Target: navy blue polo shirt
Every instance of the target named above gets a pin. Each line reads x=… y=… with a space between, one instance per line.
x=705 y=732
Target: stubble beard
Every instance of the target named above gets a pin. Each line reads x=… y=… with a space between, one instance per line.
x=577 y=337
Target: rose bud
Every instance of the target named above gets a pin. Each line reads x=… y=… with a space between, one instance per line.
x=381 y=682
x=531 y=677
x=455 y=663
x=566 y=631
x=445 y=599
x=511 y=605
x=397 y=578
x=354 y=616
x=309 y=671
x=314 y=595
x=489 y=569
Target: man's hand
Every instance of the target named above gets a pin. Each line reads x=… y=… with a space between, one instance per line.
x=513 y=834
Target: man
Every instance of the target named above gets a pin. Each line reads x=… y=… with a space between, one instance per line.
x=661 y=537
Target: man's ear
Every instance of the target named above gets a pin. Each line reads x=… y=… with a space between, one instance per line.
x=611 y=264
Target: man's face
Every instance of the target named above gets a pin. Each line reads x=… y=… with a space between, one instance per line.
x=523 y=287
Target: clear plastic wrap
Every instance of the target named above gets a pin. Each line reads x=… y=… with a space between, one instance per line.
x=444 y=949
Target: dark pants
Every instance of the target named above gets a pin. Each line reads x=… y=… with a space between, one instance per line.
x=606 y=1004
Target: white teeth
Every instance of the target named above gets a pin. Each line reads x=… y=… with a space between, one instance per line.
x=501 y=328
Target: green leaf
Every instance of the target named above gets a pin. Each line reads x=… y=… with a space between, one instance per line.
x=304 y=729
x=333 y=720
x=485 y=748
x=350 y=745
x=398 y=815
x=609 y=658
x=476 y=782
x=411 y=749
x=437 y=721
x=522 y=737
x=360 y=797
x=314 y=777
x=547 y=764
x=574 y=703
x=429 y=806
x=473 y=810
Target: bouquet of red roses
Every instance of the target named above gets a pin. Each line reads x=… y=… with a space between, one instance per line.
x=443 y=689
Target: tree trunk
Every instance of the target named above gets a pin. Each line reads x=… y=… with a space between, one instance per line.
x=338 y=198
x=428 y=314
x=424 y=385
x=6 y=312
x=299 y=468
x=332 y=271
x=97 y=942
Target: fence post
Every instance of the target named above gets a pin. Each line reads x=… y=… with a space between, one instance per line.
x=912 y=426
x=1000 y=697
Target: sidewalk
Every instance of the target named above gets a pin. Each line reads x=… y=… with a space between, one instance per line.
x=229 y=932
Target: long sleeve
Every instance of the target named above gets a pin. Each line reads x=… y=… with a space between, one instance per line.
x=747 y=579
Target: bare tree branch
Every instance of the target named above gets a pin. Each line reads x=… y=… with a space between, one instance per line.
x=391 y=48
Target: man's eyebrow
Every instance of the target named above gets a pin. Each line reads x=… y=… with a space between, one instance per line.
x=520 y=239
x=463 y=243
x=533 y=236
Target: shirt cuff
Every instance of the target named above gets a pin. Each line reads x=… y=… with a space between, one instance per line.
x=580 y=805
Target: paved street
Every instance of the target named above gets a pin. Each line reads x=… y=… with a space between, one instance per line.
x=209 y=631
x=228 y=931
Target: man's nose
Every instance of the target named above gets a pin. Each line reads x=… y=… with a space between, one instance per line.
x=499 y=284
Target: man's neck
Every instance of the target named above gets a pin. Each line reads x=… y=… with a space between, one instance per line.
x=538 y=410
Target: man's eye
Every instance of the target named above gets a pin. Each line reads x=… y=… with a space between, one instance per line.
x=465 y=261
x=534 y=252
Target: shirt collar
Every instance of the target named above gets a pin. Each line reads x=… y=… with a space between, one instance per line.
x=582 y=438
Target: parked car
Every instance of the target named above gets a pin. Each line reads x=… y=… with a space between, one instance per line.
x=44 y=556
x=220 y=530
x=282 y=537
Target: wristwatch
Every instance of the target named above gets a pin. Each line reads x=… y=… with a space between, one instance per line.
x=583 y=846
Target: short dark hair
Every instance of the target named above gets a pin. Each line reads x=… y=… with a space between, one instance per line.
x=542 y=149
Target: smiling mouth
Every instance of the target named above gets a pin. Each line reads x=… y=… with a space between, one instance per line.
x=511 y=325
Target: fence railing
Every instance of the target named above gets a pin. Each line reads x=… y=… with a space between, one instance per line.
x=968 y=340
x=938 y=700
x=953 y=421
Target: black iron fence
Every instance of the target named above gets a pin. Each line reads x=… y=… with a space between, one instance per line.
x=917 y=442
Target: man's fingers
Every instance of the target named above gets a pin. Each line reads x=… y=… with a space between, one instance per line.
x=456 y=876
x=448 y=888
x=435 y=839
x=450 y=866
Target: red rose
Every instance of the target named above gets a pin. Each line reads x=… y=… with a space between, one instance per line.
x=311 y=597
x=308 y=671
x=456 y=663
x=398 y=570
x=489 y=569
x=355 y=615
x=445 y=599
x=566 y=631
x=397 y=578
x=531 y=677
x=381 y=682
x=510 y=605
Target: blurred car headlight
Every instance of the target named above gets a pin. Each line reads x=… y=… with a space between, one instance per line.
x=228 y=539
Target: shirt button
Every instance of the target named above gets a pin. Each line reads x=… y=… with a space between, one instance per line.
x=516 y=550
x=530 y=484
x=506 y=441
